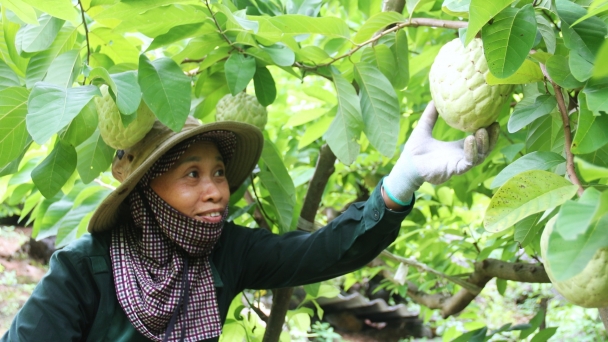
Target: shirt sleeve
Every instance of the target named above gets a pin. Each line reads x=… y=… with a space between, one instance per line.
x=348 y=243
x=62 y=305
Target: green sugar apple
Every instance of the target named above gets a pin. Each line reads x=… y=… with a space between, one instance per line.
x=589 y=288
x=111 y=128
x=459 y=89
x=243 y=108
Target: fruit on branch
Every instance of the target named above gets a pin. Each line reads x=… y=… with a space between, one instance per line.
x=459 y=89
x=243 y=108
x=589 y=288
x=111 y=127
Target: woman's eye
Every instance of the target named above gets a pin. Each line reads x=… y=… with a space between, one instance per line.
x=220 y=173
x=193 y=174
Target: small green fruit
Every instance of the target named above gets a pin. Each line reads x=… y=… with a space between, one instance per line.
x=589 y=288
x=243 y=108
x=459 y=89
x=111 y=128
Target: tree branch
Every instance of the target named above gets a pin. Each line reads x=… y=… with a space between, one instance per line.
x=258 y=217
x=86 y=34
x=281 y=297
x=219 y=28
x=567 y=132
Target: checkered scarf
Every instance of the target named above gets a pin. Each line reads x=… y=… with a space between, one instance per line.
x=153 y=251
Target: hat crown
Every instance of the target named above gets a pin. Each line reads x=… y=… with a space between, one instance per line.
x=125 y=163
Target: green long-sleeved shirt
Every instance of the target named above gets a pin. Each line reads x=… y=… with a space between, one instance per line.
x=76 y=300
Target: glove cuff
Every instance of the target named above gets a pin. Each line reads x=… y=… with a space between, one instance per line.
x=403 y=180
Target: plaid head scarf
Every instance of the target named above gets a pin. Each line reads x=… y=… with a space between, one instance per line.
x=160 y=259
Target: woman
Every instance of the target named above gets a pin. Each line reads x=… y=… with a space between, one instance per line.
x=161 y=262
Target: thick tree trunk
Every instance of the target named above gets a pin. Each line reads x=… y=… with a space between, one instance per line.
x=281 y=297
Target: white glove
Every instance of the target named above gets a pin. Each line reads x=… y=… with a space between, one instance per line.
x=426 y=159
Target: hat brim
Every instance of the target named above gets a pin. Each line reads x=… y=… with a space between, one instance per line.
x=248 y=150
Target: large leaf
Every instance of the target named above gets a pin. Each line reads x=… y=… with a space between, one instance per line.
x=166 y=90
x=381 y=57
x=376 y=23
x=480 y=12
x=570 y=257
x=83 y=125
x=525 y=194
x=380 y=108
x=265 y=88
x=527 y=229
x=239 y=72
x=160 y=20
x=402 y=65
x=13 y=131
x=545 y=27
x=24 y=11
x=531 y=161
x=52 y=173
x=62 y=9
x=597 y=94
x=299 y=24
x=589 y=171
x=181 y=32
x=94 y=157
x=525 y=114
x=276 y=180
x=508 y=40
x=591 y=132
x=34 y=38
x=64 y=69
x=9 y=47
x=528 y=72
x=345 y=129
x=601 y=69
x=457 y=8
x=559 y=70
x=575 y=217
x=124 y=86
x=585 y=37
x=50 y=108
x=581 y=68
x=69 y=227
x=8 y=78
x=114 y=45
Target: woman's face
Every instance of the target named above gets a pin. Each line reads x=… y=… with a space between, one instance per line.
x=196 y=184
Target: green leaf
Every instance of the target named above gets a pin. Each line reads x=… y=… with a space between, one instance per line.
x=114 y=45
x=531 y=161
x=265 y=89
x=294 y=24
x=64 y=69
x=575 y=217
x=62 y=9
x=317 y=129
x=590 y=172
x=599 y=157
x=24 y=11
x=587 y=36
x=597 y=94
x=13 y=166
x=124 y=87
x=569 y=257
x=414 y=5
x=523 y=115
x=381 y=57
x=559 y=70
x=8 y=78
x=402 y=68
x=525 y=194
x=480 y=12
x=280 y=54
x=181 y=32
x=239 y=72
x=83 y=125
x=591 y=131
x=68 y=227
x=52 y=173
x=527 y=229
x=376 y=23
x=346 y=127
x=535 y=322
x=276 y=180
x=13 y=131
x=166 y=90
x=39 y=37
x=508 y=40
x=50 y=108
x=528 y=72
x=595 y=8
x=9 y=46
x=601 y=69
x=457 y=8
x=547 y=31
x=160 y=20
x=581 y=68
x=544 y=335
x=94 y=157
x=379 y=107
x=40 y=62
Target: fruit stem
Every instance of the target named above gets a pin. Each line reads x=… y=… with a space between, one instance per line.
x=567 y=132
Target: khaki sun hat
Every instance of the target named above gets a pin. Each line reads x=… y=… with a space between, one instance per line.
x=136 y=161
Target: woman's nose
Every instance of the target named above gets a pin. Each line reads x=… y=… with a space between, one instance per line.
x=210 y=191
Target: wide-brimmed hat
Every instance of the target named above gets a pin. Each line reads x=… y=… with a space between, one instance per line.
x=135 y=161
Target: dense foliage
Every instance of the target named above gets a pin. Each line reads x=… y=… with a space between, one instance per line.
x=346 y=73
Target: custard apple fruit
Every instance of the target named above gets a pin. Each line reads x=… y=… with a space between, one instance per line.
x=243 y=108
x=459 y=89
x=111 y=128
x=589 y=288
